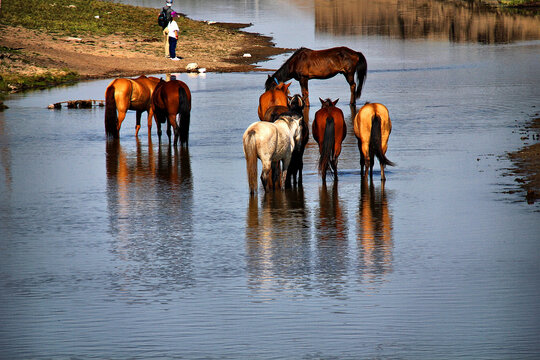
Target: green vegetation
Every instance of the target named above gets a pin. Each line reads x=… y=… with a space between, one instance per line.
x=519 y=3
x=77 y=17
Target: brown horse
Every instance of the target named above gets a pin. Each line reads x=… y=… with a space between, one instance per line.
x=306 y=64
x=128 y=94
x=329 y=130
x=169 y=99
x=372 y=127
x=278 y=95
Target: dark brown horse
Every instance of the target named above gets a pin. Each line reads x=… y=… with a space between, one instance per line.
x=128 y=94
x=169 y=99
x=372 y=127
x=306 y=64
x=329 y=130
x=275 y=96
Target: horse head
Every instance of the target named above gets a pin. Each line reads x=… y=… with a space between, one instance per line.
x=328 y=103
x=283 y=88
x=296 y=103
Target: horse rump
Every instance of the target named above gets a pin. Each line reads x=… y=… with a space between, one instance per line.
x=111 y=117
x=375 y=144
x=327 y=148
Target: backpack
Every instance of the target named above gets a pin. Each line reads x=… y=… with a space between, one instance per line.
x=162 y=19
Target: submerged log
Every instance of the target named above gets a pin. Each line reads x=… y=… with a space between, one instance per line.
x=77 y=104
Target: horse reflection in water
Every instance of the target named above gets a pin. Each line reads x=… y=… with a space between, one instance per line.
x=278 y=247
x=149 y=203
x=374 y=232
x=331 y=232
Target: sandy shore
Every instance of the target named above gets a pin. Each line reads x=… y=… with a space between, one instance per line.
x=118 y=56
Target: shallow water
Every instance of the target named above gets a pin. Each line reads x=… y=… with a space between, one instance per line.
x=133 y=249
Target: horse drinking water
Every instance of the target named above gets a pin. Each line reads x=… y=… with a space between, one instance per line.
x=306 y=64
x=329 y=130
x=122 y=95
x=169 y=99
x=372 y=127
x=272 y=143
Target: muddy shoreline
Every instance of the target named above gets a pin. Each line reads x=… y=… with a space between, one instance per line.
x=526 y=162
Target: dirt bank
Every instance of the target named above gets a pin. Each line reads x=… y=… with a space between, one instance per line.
x=527 y=162
x=117 y=55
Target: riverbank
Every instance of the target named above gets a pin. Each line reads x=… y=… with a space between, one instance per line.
x=526 y=161
x=67 y=41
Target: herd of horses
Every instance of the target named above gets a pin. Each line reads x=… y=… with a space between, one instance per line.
x=279 y=139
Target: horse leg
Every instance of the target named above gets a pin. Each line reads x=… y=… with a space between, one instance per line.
x=383 y=178
x=350 y=79
x=150 y=116
x=305 y=91
x=266 y=167
x=333 y=164
x=138 y=122
x=121 y=117
x=362 y=159
x=169 y=124
x=275 y=175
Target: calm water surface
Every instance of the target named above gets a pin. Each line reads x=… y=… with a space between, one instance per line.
x=133 y=249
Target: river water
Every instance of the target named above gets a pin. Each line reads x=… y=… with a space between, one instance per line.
x=133 y=249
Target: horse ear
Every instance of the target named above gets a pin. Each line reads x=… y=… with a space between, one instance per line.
x=335 y=102
x=286 y=86
x=322 y=101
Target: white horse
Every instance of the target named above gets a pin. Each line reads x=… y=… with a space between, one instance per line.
x=271 y=143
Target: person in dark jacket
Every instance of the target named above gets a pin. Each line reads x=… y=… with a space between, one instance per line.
x=167 y=9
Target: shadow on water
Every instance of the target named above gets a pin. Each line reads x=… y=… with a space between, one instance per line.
x=150 y=201
x=455 y=21
x=374 y=232
x=277 y=240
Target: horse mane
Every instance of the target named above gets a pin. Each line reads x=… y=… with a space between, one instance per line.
x=283 y=73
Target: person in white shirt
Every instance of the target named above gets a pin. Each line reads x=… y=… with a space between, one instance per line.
x=167 y=11
x=173 y=36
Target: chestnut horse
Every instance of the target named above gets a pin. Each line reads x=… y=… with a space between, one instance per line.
x=306 y=64
x=169 y=99
x=128 y=94
x=272 y=143
x=275 y=96
x=372 y=127
x=329 y=130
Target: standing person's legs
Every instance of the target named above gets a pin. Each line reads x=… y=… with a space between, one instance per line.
x=172 y=47
x=166 y=41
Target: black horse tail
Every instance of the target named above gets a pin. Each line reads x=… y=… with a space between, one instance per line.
x=111 y=117
x=361 y=73
x=327 y=149
x=375 y=144
x=185 y=114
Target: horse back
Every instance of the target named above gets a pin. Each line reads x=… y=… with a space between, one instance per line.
x=273 y=112
x=323 y=64
x=274 y=97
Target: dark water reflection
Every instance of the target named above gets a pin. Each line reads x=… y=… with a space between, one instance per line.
x=331 y=236
x=455 y=21
x=150 y=200
x=278 y=248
